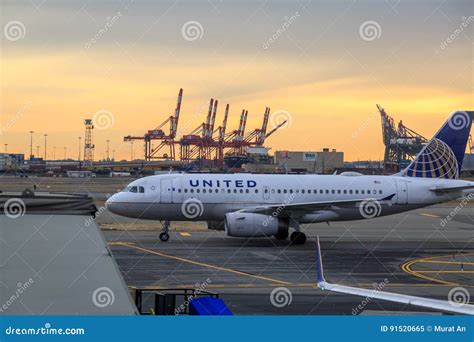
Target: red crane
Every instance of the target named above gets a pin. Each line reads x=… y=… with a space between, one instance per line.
x=166 y=140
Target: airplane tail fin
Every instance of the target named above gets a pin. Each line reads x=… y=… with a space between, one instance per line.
x=319 y=263
x=443 y=156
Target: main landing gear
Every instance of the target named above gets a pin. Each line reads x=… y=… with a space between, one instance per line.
x=296 y=238
x=164 y=235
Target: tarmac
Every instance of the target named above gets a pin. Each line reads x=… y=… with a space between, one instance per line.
x=412 y=253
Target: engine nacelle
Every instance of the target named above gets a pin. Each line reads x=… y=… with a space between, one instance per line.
x=254 y=225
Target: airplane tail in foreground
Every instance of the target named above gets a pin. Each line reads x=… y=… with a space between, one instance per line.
x=443 y=156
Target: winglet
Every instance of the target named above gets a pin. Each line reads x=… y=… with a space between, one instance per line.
x=319 y=263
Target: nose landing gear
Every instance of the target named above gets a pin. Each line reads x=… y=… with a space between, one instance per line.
x=164 y=235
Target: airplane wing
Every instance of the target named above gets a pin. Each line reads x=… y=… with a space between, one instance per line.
x=452 y=189
x=436 y=304
x=284 y=209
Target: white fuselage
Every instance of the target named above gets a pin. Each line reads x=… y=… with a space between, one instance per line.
x=164 y=197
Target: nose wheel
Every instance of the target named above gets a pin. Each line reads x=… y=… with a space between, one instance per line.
x=164 y=235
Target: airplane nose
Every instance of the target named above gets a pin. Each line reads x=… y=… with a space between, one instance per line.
x=109 y=204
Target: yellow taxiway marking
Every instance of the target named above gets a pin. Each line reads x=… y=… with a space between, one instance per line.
x=447 y=271
x=407 y=268
x=430 y=215
x=189 y=261
x=184 y=234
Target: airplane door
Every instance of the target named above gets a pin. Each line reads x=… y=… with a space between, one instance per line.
x=402 y=191
x=166 y=187
x=266 y=192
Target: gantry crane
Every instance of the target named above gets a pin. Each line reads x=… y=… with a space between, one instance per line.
x=166 y=140
x=401 y=143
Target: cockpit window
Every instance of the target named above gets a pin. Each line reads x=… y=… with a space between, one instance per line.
x=134 y=189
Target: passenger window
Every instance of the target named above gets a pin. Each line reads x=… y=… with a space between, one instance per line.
x=333 y=191
x=192 y=190
x=228 y=191
x=297 y=191
x=256 y=191
x=217 y=190
x=380 y=191
x=291 y=191
x=327 y=191
x=247 y=191
x=302 y=191
x=235 y=191
x=344 y=192
x=321 y=191
x=362 y=192
x=284 y=191
x=185 y=190
x=179 y=190
x=339 y=191
x=350 y=191
x=198 y=190
x=265 y=191
x=204 y=190
x=357 y=191
x=279 y=191
x=374 y=192
x=241 y=191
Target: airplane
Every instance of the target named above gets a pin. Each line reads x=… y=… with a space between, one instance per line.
x=260 y=205
x=437 y=304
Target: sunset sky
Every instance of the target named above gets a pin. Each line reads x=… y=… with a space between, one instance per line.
x=321 y=69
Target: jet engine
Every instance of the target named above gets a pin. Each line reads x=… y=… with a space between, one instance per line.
x=254 y=225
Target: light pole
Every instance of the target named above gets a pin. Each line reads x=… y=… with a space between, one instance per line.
x=54 y=152
x=31 y=144
x=79 y=158
x=37 y=151
x=45 y=155
x=113 y=155
x=131 y=150
x=65 y=151
x=108 y=141
x=6 y=148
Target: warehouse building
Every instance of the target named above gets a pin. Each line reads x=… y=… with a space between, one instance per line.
x=325 y=161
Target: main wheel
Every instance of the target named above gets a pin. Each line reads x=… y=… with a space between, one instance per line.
x=298 y=238
x=164 y=236
x=282 y=235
